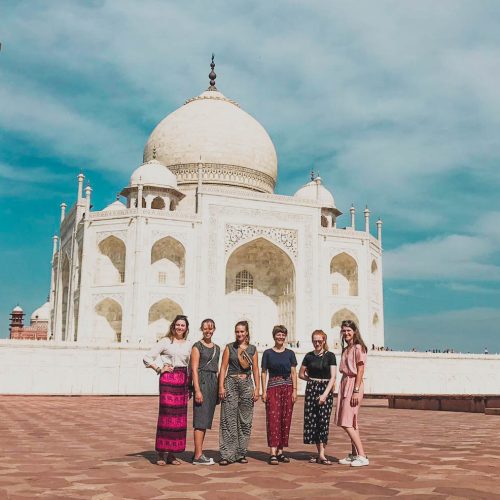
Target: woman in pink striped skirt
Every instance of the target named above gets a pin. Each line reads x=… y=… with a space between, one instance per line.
x=173 y=352
x=350 y=395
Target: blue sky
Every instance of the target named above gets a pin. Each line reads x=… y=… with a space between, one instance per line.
x=395 y=103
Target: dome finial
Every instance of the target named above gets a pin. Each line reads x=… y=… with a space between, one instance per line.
x=312 y=174
x=212 y=75
x=154 y=152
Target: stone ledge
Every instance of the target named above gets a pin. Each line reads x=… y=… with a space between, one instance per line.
x=472 y=403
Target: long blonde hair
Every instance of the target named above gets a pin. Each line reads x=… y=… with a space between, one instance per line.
x=324 y=335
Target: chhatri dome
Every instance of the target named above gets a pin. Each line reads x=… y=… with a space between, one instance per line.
x=314 y=190
x=153 y=173
x=233 y=148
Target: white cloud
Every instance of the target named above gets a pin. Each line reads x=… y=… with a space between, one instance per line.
x=450 y=257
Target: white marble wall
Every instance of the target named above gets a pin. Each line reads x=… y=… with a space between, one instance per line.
x=31 y=367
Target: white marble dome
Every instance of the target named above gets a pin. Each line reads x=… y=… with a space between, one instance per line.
x=233 y=147
x=42 y=313
x=315 y=191
x=153 y=173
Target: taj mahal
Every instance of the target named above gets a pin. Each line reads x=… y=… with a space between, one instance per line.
x=199 y=230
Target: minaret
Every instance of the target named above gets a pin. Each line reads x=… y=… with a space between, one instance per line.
x=379 y=230
x=81 y=177
x=353 y=217
x=367 y=219
x=88 y=191
x=212 y=75
x=16 y=320
x=63 y=211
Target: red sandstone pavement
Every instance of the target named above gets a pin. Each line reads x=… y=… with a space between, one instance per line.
x=102 y=448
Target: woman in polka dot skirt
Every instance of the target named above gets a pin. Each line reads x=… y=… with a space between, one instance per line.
x=319 y=370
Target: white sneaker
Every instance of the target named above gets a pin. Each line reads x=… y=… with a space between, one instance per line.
x=360 y=461
x=347 y=460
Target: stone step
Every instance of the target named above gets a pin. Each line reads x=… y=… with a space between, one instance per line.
x=492 y=411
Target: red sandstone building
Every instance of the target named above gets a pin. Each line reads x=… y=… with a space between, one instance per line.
x=39 y=324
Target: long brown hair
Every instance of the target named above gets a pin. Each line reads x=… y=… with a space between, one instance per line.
x=247 y=328
x=324 y=335
x=209 y=321
x=171 y=330
x=357 y=339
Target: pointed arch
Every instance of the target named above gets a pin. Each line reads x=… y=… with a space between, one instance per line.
x=344 y=275
x=110 y=268
x=260 y=285
x=168 y=258
x=108 y=321
x=160 y=315
x=158 y=203
x=342 y=315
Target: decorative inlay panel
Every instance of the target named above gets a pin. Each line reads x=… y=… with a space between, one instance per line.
x=236 y=233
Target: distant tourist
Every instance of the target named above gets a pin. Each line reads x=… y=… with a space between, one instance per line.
x=204 y=368
x=172 y=353
x=350 y=394
x=485 y=350
x=237 y=394
x=319 y=370
x=279 y=393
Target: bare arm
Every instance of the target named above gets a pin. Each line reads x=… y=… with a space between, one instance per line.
x=303 y=373
x=195 y=363
x=357 y=383
x=331 y=385
x=222 y=373
x=256 y=378
x=294 y=382
x=264 y=384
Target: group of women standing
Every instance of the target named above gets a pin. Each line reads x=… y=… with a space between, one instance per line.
x=184 y=367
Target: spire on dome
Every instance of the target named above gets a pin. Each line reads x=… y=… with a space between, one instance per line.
x=312 y=174
x=154 y=152
x=212 y=75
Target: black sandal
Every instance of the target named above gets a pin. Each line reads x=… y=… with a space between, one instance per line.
x=282 y=458
x=273 y=460
x=242 y=460
x=224 y=462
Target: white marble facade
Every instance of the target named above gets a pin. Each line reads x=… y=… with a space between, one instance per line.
x=202 y=233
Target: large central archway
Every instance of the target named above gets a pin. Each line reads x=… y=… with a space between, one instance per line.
x=260 y=287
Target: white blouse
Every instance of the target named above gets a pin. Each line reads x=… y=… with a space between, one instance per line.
x=176 y=354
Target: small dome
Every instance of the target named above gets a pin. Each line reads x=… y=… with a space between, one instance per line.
x=315 y=191
x=17 y=309
x=42 y=313
x=153 y=173
x=115 y=206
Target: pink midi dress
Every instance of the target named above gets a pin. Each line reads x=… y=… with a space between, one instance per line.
x=345 y=414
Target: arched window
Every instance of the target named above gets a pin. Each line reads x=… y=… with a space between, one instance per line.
x=244 y=282
x=158 y=203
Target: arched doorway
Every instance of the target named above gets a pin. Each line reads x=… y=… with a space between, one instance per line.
x=344 y=275
x=108 y=321
x=161 y=314
x=260 y=286
x=168 y=258
x=111 y=262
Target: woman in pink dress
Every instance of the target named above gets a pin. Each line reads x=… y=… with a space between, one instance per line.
x=350 y=395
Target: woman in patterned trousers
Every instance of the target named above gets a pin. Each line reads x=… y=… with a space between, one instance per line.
x=279 y=393
x=319 y=370
x=237 y=394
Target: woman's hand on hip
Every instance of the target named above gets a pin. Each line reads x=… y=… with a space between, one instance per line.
x=167 y=368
